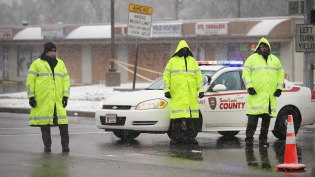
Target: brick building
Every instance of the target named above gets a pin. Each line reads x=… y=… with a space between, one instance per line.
x=86 y=49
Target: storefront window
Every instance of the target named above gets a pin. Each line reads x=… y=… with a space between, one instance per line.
x=239 y=51
x=4 y=62
x=26 y=55
x=275 y=49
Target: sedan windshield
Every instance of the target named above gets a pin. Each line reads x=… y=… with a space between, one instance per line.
x=158 y=84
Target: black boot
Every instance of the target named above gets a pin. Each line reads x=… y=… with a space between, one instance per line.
x=250 y=130
x=192 y=142
x=47 y=149
x=46 y=137
x=64 y=138
x=265 y=122
x=65 y=149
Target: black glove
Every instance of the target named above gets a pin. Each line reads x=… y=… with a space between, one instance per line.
x=64 y=101
x=201 y=94
x=277 y=93
x=32 y=102
x=167 y=95
x=251 y=91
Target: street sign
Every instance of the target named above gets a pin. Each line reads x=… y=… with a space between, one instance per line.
x=140 y=21
x=305 y=38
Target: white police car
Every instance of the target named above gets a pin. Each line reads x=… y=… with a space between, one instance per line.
x=222 y=109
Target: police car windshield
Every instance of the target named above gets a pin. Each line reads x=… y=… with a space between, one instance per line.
x=158 y=84
x=207 y=72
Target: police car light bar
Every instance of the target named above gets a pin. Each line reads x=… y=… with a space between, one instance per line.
x=231 y=63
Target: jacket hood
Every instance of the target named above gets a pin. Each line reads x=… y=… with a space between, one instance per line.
x=263 y=40
x=182 y=44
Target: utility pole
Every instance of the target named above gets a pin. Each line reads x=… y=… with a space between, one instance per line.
x=112 y=23
x=112 y=76
x=308 y=78
x=177 y=3
x=238 y=8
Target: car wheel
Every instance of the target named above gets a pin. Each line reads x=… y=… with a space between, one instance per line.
x=228 y=133
x=280 y=128
x=126 y=135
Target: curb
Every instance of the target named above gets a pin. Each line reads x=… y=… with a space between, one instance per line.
x=69 y=113
x=127 y=89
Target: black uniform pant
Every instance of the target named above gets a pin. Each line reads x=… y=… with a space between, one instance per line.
x=252 y=125
x=46 y=135
x=184 y=130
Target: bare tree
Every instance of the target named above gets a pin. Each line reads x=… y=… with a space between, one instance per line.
x=38 y=12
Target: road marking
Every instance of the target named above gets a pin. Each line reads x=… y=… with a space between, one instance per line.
x=14 y=128
x=111 y=155
x=76 y=133
x=133 y=154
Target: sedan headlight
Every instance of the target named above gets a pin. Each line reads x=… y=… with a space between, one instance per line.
x=102 y=103
x=152 y=104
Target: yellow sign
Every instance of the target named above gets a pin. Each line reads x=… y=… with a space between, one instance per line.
x=140 y=9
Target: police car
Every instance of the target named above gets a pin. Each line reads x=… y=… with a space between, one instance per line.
x=221 y=110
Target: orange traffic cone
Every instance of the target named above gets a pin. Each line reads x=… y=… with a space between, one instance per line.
x=290 y=155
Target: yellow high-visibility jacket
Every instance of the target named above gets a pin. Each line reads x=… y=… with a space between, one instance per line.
x=265 y=78
x=48 y=91
x=183 y=85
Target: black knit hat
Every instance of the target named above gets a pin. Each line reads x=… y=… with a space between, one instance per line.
x=49 y=46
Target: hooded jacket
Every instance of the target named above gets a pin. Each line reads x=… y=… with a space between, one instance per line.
x=48 y=88
x=265 y=76
x=183 y=79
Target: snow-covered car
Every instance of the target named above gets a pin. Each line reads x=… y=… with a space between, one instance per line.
x=222 y=109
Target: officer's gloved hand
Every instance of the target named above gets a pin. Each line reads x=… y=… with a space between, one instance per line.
x=277 y=93
x=64 y=101
x=32 y=102
x=251 y=91
x=201 y=94
x=167 y=95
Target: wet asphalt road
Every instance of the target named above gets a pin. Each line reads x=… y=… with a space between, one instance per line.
x=94 y=152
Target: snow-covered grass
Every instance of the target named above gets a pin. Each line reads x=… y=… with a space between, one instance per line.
x=82 y=98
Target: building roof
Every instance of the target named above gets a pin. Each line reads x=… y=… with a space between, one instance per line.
x=30 y=33
x=91 y=32
x=264 y=27
x=269 y=27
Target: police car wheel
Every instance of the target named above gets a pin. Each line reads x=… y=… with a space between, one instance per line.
x=126 y=134
x=280 y=128
x=228 y=133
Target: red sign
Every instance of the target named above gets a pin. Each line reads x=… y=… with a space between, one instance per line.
x=211 y=28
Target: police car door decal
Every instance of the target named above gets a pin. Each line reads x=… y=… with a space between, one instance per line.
x=227 y=107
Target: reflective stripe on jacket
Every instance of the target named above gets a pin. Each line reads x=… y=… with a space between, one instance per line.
x=184 y=85
x=265 y=78
x=48 y=91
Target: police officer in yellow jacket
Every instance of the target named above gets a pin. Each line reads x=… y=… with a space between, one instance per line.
x=48 y=90
x=263 y=76
x=183 y=85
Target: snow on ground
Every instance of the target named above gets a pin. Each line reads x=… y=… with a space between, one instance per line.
x=82 y=98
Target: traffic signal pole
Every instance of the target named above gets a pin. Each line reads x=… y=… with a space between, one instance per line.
x=308 y=78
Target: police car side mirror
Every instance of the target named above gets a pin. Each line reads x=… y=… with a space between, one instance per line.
x=208 y=79
x=219 y=87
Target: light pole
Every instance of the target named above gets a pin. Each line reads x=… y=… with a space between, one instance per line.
x=112 y=22
x=308 y=79
x=238 y=8
x=112 y=77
